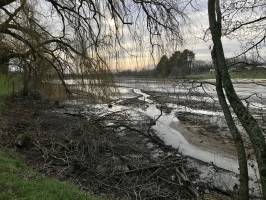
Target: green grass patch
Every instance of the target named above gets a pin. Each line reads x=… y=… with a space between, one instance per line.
x=9 y=85
x=258 y=73
x=201 y=76
x=5 y=89
x=19 y=182
x=5 y=85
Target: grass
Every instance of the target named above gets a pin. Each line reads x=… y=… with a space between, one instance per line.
x=6 y=89
x=201 y=76
x=245 y=74
x=5 y=85
x=19 y=182
x=9 y=85
x=251 y=74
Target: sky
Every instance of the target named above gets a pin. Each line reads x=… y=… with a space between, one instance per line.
x=192 y=32
x=194 y=38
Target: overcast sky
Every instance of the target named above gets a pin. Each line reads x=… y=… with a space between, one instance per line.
x=192 y=33
x=199 y=23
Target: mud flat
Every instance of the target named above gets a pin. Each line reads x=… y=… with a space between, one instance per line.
x=203 y=137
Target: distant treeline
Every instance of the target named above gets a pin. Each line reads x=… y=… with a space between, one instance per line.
x=182 y=64
x=178 y=65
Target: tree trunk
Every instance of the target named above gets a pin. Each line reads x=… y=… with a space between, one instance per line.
x=239 y=144
x=4 y=62
x=247 y=120
x=26 y=81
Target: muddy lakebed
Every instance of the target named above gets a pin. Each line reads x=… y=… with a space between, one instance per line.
x=152 y=139
x=189 y=119
x=193 y=122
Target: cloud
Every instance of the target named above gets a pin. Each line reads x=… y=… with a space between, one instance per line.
x=137 y=54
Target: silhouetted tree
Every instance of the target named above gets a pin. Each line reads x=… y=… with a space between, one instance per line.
x=187 y=57
x=162 y=69
x=178 y=65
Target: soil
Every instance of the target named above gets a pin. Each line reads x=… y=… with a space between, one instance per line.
x=198 y=136
x=113 y=156
x=185 y=100
x=104 y=156
x=204 y=131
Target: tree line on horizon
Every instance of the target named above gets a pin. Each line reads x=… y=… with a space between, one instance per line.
x=179 y=64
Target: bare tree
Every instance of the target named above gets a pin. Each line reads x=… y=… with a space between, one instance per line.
x=87 y=32
x=223 y=81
